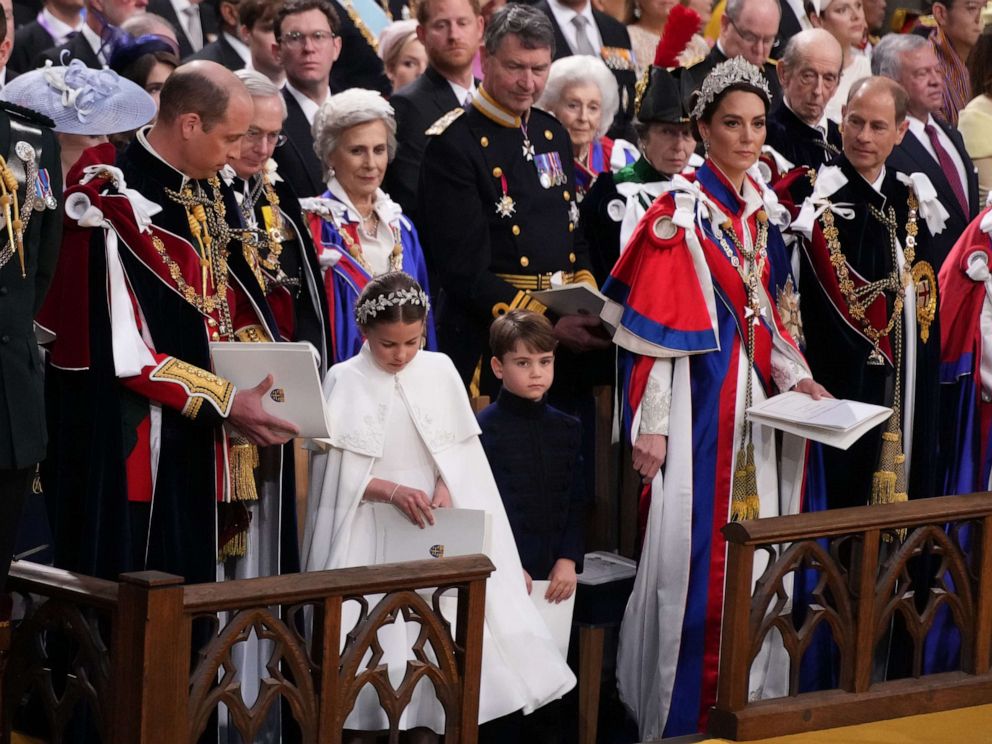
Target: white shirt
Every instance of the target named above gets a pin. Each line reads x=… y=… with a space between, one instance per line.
x=916 y=126
x=239 y=46
x=462 y=94
x=95 y=42
x=564 y=15
x=180 y=7
x=59 y=30
x=309 y=106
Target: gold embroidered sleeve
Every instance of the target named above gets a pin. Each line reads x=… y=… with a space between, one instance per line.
x=197 y=383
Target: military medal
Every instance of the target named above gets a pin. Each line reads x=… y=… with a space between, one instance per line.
x=528 y=147
x=549 y=169
x=505 y=206
x=573 y=212
x=24 y=151
x=43 y=189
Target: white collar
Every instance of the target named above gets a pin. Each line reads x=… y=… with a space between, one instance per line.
x=388 y=210
x=460 y=92
x=95 y=42
x=918 y=126
x=877 y=183
x=821 y=124
x=309 y=106
x=180 y=6
x=239 y=46
x=59 y=29
x=142 y=138
x=563 y=14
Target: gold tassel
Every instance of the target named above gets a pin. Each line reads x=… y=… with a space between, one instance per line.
x=36 y=488
x=236 y=547
x=888 y=484
x=745 y=503
x=243 y=456
x=233 y=521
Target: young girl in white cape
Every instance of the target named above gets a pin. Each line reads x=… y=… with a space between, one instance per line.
x=402 y=432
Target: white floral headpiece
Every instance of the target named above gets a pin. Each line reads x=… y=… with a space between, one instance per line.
x=731 y=72
x=372 y=307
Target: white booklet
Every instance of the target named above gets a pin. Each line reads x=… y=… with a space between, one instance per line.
x=581 y=299
x=295 y=394
x=838 y=423
x=602 y=567
x=454 y=532
x=558 y=617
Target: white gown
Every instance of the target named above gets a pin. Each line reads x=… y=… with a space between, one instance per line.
x=409 y=428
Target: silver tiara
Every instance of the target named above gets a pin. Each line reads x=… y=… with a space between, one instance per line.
x=372 y=307
x=731 y=72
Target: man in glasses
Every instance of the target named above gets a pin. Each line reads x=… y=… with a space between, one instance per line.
x=749 y=29
x=798 y=128
x=270 y=212
x=307 y=45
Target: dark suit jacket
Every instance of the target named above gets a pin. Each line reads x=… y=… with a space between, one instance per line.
x=359 y=65
x=77 y=47
x=29 y=42
x=222 y=52
x=798 y=142
x=208 y=23
x=692 y=77
x=614 y=34
x=787 y=28
x=298 y=163
x=911 y=156
x=417 y=106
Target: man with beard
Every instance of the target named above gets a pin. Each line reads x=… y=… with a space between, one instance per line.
x=451 y=31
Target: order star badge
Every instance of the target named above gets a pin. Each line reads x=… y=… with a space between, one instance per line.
x=505 y=206
x=528 y=150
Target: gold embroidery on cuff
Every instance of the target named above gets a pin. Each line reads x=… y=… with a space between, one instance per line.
x=196 y=382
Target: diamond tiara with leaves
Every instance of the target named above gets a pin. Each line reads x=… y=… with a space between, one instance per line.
x=731 y=72
x=372 y=307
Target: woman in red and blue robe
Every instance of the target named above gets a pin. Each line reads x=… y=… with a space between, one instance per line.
x=683 y=337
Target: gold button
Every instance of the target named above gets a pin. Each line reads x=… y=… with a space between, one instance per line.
x=566 y=195
x=571 y=226
x=548 y=135
x=497 y=172
x=516 y=231
x=571 y=256
x=524 y=261
x=215 y=336
x=484 y=142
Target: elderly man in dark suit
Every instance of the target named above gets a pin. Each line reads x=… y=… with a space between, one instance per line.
x=451 y=31
x=749 y=29
x=930 y=146
x=581 y=29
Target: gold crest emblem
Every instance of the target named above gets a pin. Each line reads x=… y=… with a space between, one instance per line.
x=926 y=297
x=278 y=395
x=437 y=551
x=788 y=310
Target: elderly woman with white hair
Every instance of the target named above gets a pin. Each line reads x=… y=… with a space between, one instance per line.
x=358 y=230
x=582 y=93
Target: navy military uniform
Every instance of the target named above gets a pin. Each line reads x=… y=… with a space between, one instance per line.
x=498 y=219
x=32 y=157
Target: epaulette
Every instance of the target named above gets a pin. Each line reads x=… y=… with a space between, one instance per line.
x=444 y=122
x=29 y=115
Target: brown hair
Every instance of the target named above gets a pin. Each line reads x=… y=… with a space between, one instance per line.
x=384 y=285
x=294 y=7
x=187 y=91
x=251 y=12
x=900 y=98
x=532 y=329
x=980 y=65
x=423 y=16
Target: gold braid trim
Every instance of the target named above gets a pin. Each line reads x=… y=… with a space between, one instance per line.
x=196 y=382
x=360 y=25
x=192 y=407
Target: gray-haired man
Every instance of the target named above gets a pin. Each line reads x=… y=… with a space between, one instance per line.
x=930 y=146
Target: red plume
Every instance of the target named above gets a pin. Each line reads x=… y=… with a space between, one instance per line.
x=682 y=23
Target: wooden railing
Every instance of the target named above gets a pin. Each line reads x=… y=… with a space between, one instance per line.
x=874 y=568
x=148 y=660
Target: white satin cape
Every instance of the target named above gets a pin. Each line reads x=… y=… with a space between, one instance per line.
x=521 y=666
